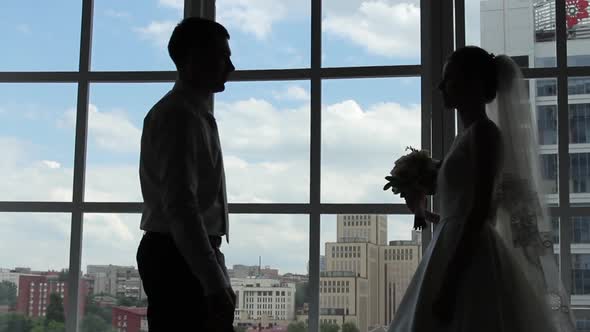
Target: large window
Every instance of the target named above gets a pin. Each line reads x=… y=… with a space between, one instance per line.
x=326 y=96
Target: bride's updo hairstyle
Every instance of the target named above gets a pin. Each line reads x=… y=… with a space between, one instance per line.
x=475 y=63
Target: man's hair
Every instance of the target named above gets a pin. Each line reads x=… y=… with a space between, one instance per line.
x=194 y=34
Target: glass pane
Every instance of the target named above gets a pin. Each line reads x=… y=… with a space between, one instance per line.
x=366 y=125
x=544 y=100
x=579 y=112
x=581 y=274
x=134 y=34
x=525 y=30
x=115 y=121
x=33 y=273
x=265 y=132
x=267 y=34
x=109 y=267
x=361 y=33
x=370 y=33
x=582 y=317
x=369 y=261
x=37 y=141
x=40 y=36
x=267 y=259
x=581 y=229
x=578 y=32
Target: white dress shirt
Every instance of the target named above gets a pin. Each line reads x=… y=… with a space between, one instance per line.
x=183 y=180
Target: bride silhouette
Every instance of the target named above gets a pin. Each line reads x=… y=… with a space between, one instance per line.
x=490 y=265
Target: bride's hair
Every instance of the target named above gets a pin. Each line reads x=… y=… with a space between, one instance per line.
x=476 y=63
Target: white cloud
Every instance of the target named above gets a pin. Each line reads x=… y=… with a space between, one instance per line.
x=174 y=4
x=157 y=32
x=384 y=28
x=112 y=131
x=116 y=14
x=266 y=154
x=24 y=28
x=51 y=164
x=293 y=92
x=251 y=16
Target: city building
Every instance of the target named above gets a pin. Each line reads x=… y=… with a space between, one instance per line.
x=247 y=271
x=35 y=291
x=525 y=30
x=344 y=297
x=118 y=281
x=130 y=319
x=397 y=263
x=381 y=272
x=11 y=276
x=263 y=302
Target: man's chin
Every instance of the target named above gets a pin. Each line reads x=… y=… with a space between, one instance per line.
x=219 y=88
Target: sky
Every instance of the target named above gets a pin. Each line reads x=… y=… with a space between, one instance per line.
x=264 y=126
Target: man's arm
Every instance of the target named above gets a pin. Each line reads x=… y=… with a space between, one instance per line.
x=179 y=200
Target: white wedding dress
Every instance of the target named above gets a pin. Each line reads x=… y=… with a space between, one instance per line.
x=494 y=293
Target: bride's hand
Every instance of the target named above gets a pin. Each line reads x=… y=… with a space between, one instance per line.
x=414 y=200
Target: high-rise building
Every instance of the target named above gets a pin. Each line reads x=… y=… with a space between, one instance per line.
x=122 y=281
x=381 y=272
x=130 y=319
x=397 y=264
x=263 y=301
x=525 y=30
x=35 y=292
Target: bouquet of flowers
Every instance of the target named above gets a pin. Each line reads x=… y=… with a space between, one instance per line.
x=414 y=176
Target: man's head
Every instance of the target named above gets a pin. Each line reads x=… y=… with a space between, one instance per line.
x=201 y=53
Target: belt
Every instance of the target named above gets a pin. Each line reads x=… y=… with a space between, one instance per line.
x=213 y=239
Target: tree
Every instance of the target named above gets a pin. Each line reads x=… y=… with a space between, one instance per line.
x=15 y=323
x=55 y=310
x=94 y=323
x=350 y=327
x=104 y=313
x=54 y=326
x=329 y=327
x=297 y=327
x=8 y=293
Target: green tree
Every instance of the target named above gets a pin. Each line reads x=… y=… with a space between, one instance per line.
x=350 y=327
x=329 y=327
x=105 y=313
x=297 y=327
x=240 y=329
x=55 y=310
x=54 y=326
x=8 y=293
x=14 y=322
x=94 y=323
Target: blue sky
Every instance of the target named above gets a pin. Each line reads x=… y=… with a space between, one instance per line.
x=264 y=125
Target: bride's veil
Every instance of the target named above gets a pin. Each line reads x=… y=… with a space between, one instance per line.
x=521 y=215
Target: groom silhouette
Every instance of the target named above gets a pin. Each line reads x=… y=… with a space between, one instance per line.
x=182 y=180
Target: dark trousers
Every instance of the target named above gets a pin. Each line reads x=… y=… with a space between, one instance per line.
x=175 y=297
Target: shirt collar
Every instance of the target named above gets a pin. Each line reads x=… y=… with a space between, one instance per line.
x=199 y=100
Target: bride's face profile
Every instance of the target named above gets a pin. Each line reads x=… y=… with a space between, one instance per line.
x=469 y=79
x=459 y=90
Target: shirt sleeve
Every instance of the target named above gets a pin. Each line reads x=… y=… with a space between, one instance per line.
x=179 y=164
